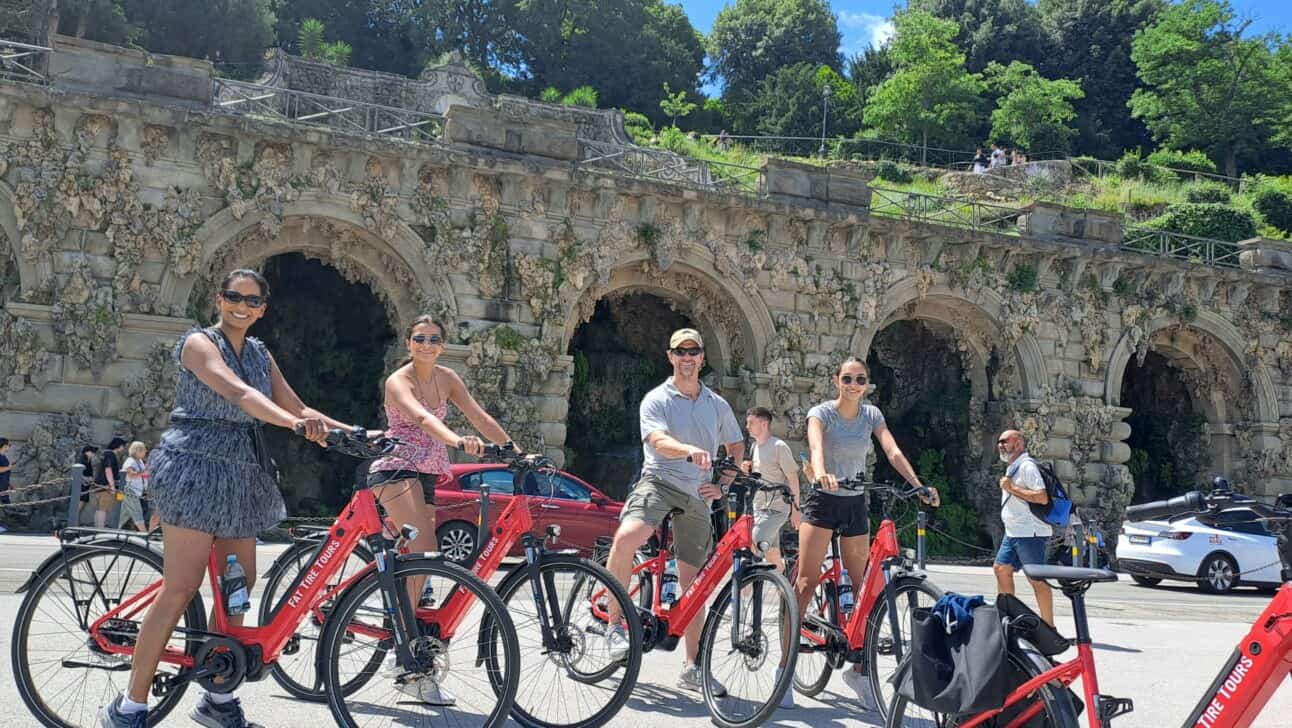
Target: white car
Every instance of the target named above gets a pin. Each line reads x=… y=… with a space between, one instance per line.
x=1217 y=551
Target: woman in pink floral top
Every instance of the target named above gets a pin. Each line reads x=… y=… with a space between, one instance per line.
x=417 y=398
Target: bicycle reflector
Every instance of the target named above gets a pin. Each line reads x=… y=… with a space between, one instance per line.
x=1175 y=535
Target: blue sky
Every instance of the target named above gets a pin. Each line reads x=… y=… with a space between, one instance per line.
x=863 y=22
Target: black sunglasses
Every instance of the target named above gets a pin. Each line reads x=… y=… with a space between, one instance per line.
x=252 y=300
x=427 y=339
x=849 y=379
x=689 y=351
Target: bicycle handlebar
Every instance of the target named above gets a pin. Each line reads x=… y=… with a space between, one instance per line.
x=357 y=443
x=859 y=485
x=508 y=455
x=1199 y=502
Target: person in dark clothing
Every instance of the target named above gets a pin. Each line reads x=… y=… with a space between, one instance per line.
x=5 y=467
x=107 y=474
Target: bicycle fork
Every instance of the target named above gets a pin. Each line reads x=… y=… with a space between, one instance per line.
x=399 y=606
x=890 y=596
x=738 y=568
x=549 y=610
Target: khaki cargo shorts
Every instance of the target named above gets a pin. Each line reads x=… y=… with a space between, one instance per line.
x=768 y=523
x=652 y=499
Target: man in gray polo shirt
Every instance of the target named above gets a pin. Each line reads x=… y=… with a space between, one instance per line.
x=680 y=418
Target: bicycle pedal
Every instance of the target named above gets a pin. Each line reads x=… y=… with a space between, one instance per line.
x=1108 y=707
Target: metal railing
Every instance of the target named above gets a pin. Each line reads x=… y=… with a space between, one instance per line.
x=23 y=62
x=950 y=211
x=1164 y=244
x=645 y=163
x=842 y=148
x=345 y=115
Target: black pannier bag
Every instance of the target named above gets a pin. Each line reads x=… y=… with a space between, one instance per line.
x=964 y=670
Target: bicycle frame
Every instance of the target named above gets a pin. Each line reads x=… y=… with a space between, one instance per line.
x=361 y=519
x=874 y=582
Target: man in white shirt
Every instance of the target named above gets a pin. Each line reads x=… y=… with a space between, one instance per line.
x=1026 y=536
x=774 y=460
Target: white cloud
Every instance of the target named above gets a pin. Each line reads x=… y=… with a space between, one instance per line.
x=865 y=29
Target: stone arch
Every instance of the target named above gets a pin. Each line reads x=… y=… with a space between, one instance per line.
x=740 y=323
x=941 y=303
x=1188 y=345
x=322 y=226
x=30 y=274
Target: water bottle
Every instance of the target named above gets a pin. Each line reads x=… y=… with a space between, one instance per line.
x=234 y=588
x=845 y=593
x=668 y=590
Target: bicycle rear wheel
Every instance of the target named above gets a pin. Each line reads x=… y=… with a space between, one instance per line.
x=1051 y=705
x=745 y=665
x=61 y=674
x=297 y=672
x=579 y=684
x=880 y=652
x=361 y=693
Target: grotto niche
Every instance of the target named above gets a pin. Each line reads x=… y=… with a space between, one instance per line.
x=1168 y=444
x=618 y=358
x=330 y=338
x=921 y=387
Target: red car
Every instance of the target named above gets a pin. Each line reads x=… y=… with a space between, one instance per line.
x=583 y=512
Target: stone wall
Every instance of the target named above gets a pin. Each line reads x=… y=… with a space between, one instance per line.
x=118 y=211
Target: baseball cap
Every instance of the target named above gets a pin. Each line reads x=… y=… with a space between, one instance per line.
x=683 y=335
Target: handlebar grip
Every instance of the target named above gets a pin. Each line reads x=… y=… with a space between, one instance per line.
x=298 y=428
x=1187 y=503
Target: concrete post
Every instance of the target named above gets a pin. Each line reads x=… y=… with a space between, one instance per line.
x=76 y=474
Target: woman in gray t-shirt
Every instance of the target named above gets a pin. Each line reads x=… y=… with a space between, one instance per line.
x=839 y=439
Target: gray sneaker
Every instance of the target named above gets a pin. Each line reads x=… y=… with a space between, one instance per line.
x=221 y=715
x=691 y=679
x=112 y=717
x=617 y=645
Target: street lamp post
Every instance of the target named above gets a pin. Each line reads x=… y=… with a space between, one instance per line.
x=825 y=105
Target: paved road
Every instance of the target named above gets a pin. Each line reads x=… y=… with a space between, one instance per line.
x=1160 y=646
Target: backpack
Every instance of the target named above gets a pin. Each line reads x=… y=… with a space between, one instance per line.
x=1057 y=511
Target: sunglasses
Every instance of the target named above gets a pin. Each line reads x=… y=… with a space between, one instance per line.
x=427 y=339
x=689 y=351
x=849 y=379
x=253 y=301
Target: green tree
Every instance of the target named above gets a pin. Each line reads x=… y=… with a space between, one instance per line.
x=483 y=31
x=626 y=49
x=868 y=69
x=999 y=31
x=312 y=42
x=930 y=98
x=101 y=20
x=1092 y=41
x=788 y=103
x=753 y=39
x=675 y=104
x=1279 y=115
x=235 y=33
x=386 y=35
x=1032 y=111
x=1204 y=84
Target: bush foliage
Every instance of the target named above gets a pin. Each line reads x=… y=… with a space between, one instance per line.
x=1206 y=220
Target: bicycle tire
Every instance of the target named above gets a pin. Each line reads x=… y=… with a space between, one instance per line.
x=588 y=578
x=194 y=617
x=907 y=595
x=715 y=626
x=337 y=635
x=288 y=670
x=1029 y=662
x=812 y=669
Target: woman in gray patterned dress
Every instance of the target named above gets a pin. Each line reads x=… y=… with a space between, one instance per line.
x=207 y=485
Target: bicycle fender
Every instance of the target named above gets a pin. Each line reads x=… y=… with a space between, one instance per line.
x=88 y=540
x=713 y=606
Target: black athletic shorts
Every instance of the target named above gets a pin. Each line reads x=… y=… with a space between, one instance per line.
x=846 y=515
x=386 y=477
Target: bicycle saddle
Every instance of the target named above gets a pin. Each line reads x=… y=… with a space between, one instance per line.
x=1068 y=575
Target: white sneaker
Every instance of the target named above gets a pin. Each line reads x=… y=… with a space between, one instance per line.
x=787 y=700
x=691 y=679
x=426 y=690
x=617 y=644
x=860 y=685
x=422 y=687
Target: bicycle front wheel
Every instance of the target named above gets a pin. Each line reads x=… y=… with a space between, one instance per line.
x=297 y=672
x=746 y=674
x=62 y=674
x=446 y=685
x=1050 y=706
x=881 y=648
x=577 y=683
